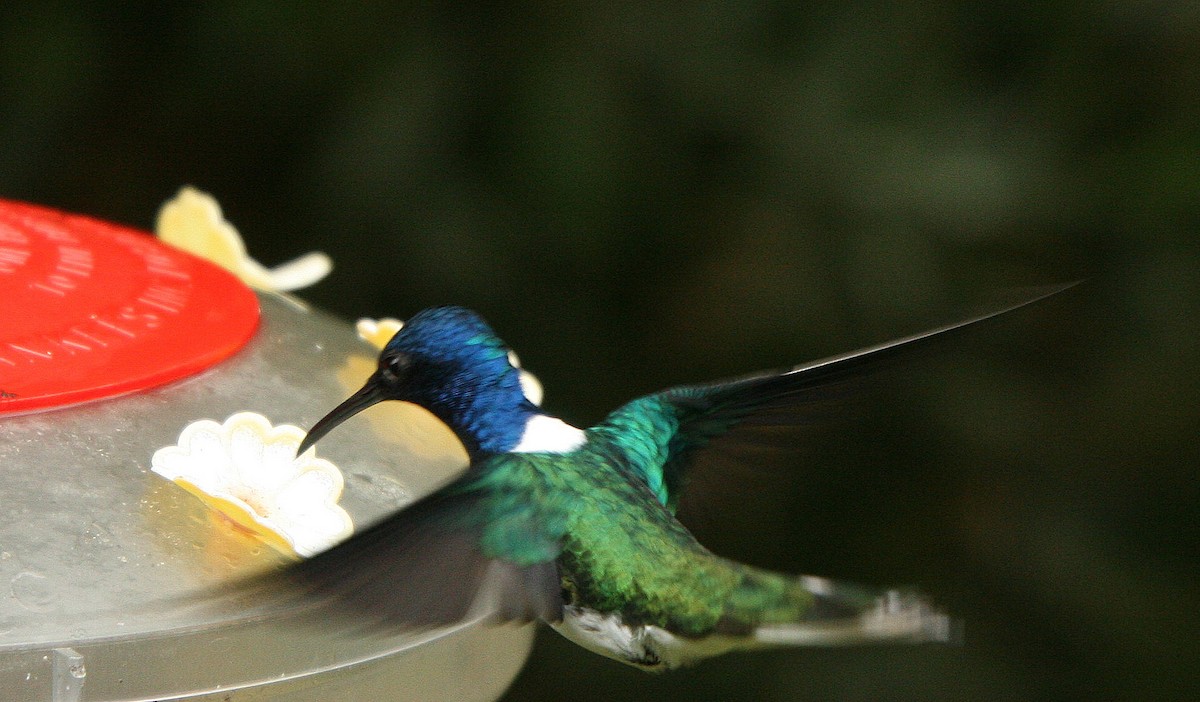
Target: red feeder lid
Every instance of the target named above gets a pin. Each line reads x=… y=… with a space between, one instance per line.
x=90 y=309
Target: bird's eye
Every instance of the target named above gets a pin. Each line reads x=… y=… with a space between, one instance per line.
x=394 y=366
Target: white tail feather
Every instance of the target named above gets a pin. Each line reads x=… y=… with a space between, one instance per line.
x=897 y=616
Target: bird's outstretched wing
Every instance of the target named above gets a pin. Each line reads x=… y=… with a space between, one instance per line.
x=717 y=426
x=478 y=546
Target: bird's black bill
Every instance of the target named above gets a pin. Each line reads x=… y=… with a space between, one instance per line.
x=368 y=395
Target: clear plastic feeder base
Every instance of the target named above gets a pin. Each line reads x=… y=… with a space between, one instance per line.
x=98 y=553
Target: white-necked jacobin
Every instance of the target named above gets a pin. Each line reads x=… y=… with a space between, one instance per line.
x=577 y=527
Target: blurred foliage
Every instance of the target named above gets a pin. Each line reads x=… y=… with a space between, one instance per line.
x=640 y=194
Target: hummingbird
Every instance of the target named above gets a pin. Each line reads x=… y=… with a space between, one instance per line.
x=578 y=527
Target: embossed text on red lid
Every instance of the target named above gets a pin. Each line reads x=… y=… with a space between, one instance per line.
x=90 y=309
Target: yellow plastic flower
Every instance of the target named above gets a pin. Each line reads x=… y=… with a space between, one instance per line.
x=247 y=470
x=530 y=385
x=377 y=332
x=192 y=221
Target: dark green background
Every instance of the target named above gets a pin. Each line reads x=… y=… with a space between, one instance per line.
x=640 y=194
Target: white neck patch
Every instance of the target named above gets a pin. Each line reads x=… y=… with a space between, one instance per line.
x=545 y=434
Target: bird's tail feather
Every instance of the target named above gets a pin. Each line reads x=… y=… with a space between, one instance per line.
x=769 y=610
x=837 y=613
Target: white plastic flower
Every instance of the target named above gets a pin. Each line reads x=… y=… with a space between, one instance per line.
x=192 y=221
x=377 y=332
x=248 y=471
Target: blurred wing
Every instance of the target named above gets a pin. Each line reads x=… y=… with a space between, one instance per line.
x=454 y=554
x=730 y=424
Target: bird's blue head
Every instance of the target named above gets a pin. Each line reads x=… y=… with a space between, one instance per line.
x=449 y=361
